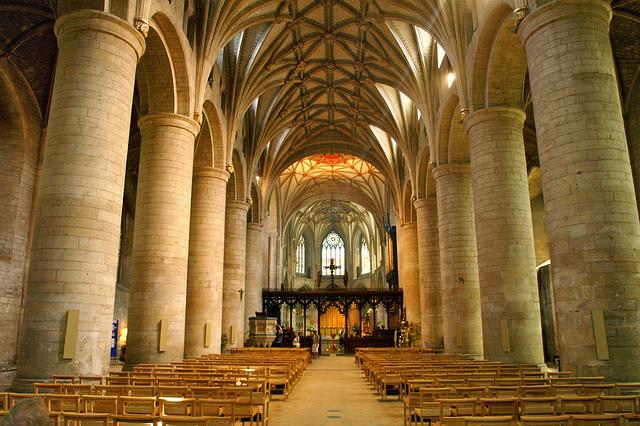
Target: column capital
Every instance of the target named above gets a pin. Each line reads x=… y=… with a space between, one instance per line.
x=515 y=115
x=168 y=119
x=96 y=21
x=237 y=205
x=211 y=172
x=409 y=225
x=446 y=169
x=255 y=226
x=563 y=9
x=424 y=202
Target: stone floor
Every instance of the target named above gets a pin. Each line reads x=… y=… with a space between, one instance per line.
x=333 y=392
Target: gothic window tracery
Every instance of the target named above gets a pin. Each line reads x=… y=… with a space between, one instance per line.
x=333 y=248
x=300 y=256
x=365 y=258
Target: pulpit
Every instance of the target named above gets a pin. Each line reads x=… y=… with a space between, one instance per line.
x=262 y=331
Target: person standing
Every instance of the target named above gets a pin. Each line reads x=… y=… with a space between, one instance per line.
x=315 y=346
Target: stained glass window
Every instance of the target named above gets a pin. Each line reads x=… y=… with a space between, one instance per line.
x=300 y=264
x=365 y=259
x=333 y=248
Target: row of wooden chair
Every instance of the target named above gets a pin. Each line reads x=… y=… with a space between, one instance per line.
x=538 y=420
x=450 y=410
x=236 y=406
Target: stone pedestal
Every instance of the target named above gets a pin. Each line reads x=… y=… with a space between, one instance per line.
x=77 y=227
x=262 y=331
x=590 y=203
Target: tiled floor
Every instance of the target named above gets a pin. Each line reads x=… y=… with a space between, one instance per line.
x=333 y=392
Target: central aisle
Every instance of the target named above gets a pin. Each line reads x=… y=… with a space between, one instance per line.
x=333 y=392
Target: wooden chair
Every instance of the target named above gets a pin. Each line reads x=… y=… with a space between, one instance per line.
x=488 y=420
x=58 y=403
x=43 y=388
x=13 y=398
x=630 y=419
x=503 y=391
x=546 y=405
x=116 y=380
x=540 y=420
x=596 y=419
x=205 y=392
x=90 y=380
x=142 y=381
x=246 y=409
x=99 y=404
x=110 y=390
x=428 y=408
x=507 y=381
x=535 y=390
x=183 y=421
x=168 y=381
x=469 y=392
x=568 y=390
x=137 y=405
x=134 y=419
x=598 y=389
x=618 y=404
x=452 y=410
x=86 y=419
x=171 y=406
x=77 y=388
x=63 y=378
x=578 y=404
x=142 y=390
x=387 y=385
x=172 y=391
x=4 y=403
x=499 y=407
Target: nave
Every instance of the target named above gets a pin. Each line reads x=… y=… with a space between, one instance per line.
x=333 y=392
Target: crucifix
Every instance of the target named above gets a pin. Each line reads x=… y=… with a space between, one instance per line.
x=332 y=268
x=241 y=291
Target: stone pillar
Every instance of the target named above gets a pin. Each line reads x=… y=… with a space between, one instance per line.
x=592 y=219
x=255 y=270
x=273 y=261
x=206 y=255
x=462 y=324
x=77 y=227
x=511 y=327
x=235 y=250
x=409 y=279
x=161 y=239
x=429 y=267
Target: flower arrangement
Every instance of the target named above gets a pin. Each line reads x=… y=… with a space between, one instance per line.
x=409 y=332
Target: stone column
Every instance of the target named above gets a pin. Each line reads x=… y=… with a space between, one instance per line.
x=235 y=250
x=161 y=239
x=206 y=255
x=511 y=325
x=409 y=279
x=592 y=218
x=255 y=270
x=273 y=261
x=429 y=267
x=462 y=324
x=77 y=227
